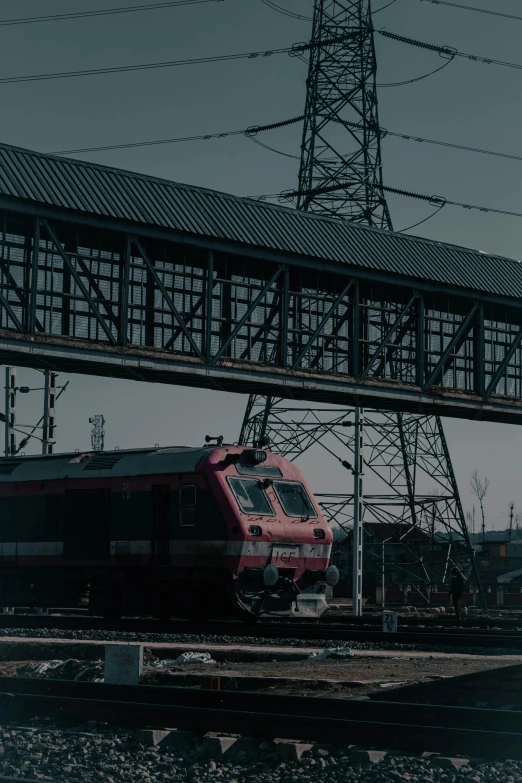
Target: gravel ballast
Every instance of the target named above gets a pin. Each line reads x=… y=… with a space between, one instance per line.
x=94 y=754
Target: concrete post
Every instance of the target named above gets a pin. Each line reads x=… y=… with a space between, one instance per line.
x=123 y=663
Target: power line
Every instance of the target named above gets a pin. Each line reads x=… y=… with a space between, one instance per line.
x=294 y=15
x=440 y=200
x=253 y=130
x=417 y=78
x=463 y=147
x=420 y=222
x=420 y=139
x=383 y=7
x=449 y=51
x=250 y=132
x=472 y=8
x=101 y=12
x=150 y=143
x=293 y=50
x=141 y=67
x=436 y=201
x=285 y=11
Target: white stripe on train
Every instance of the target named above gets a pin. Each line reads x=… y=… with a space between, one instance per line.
x=230 y=548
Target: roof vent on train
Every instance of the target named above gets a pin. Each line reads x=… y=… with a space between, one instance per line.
x=103 y=461
x=8 y=465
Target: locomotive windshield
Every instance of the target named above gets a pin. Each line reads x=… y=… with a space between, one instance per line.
x=294 y=499
x=251 y=496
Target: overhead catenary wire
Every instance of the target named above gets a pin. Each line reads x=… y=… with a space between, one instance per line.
x=293 y=50
x=102 y=12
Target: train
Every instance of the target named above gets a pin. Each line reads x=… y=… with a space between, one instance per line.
x=195 y=532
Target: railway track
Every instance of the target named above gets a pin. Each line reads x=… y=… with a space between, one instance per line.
x=508 y=621
x=306 y=631
x=386 y=725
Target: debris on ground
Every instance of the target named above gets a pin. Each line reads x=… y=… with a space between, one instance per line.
x=336 y=654
x=71 y=669
x=191 y=657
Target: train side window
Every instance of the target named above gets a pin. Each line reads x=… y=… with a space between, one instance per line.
x=251 y=496
x=188 y=508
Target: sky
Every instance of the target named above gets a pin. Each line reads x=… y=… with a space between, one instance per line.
x=467 y=103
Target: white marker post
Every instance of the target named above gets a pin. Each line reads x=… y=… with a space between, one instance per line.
x=390 y=621
x=123 y=664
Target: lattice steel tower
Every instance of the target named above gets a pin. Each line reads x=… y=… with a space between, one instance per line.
x=341 y=175
x=341 y=106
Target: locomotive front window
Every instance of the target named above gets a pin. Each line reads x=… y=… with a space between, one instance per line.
x=294 y=499
x=251 y=496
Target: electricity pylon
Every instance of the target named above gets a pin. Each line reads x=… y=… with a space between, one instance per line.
x=341 y=175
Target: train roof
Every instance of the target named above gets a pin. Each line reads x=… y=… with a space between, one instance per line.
x=131 y=462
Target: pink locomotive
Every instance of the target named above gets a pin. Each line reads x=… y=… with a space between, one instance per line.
x=192 y=532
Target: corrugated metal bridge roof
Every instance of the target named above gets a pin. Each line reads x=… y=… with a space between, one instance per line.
x=115 y=193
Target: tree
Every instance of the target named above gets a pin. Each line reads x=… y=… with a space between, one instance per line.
x=479 y=487
x=511 y=515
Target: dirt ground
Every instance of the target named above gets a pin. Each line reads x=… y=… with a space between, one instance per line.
x=352 y=677
x=341 y=679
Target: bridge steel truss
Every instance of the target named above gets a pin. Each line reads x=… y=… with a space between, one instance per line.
x=79 y=294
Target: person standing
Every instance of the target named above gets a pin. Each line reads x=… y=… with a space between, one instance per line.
x=456 y=590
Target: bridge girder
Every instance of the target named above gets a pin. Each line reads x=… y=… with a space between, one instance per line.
x=86 y=295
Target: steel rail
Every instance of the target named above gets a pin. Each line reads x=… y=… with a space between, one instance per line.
x=447 y=637
x=391 y=725
x=511 y=619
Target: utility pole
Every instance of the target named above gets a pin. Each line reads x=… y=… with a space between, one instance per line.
x=49 y=417
x=358 y=514
x=10 y=411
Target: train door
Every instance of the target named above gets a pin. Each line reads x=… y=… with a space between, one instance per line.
x=87 y=524
x=161 y=524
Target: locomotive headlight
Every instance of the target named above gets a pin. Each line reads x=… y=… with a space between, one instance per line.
x=331 y=576
x=270 y=575
x=255 y=530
